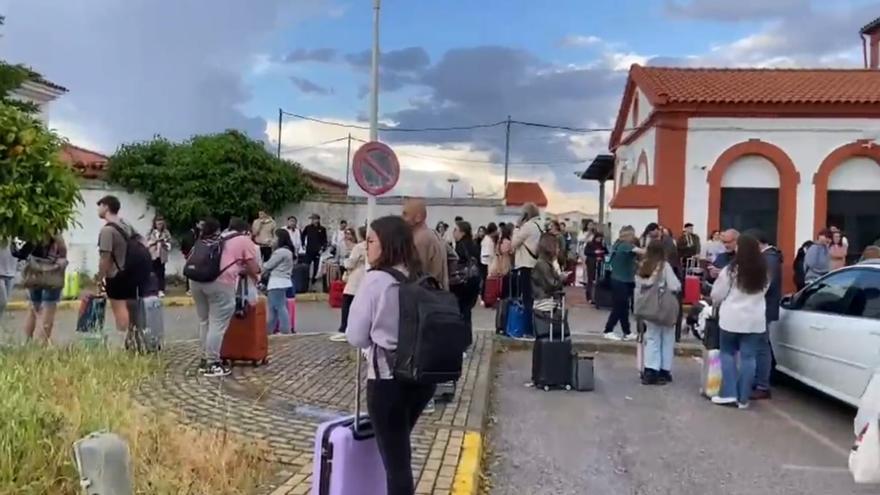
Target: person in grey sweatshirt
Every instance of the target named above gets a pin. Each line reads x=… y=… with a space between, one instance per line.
x=277 y=271
x=817 y=261
x=8 y=269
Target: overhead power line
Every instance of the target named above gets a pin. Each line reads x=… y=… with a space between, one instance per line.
x=396 y=129
x=316 y=145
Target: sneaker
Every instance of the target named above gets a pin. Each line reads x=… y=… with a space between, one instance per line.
x=161 y=293
x=339 y=337
x=189 y=293
x=611 y=336
x=628 y=337
x=724 y=401
x=203 y=366
x=217 y=370
x=649 y=377
x=741 y=405
x=430 y=407
x=666 y=376
x=760 y=394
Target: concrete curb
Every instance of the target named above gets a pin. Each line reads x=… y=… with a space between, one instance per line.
x=590 y=343
x=168 y=302
x=470 y=462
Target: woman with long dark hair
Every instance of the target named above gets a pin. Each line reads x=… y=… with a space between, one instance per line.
x=373 y=324
x=279 y=269
x=659 y=338
x=739 y=290
x=467 y=279
x=159 y=244
x=595 y=251
x=43 y=277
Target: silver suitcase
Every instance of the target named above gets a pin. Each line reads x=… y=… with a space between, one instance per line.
x=104 y=464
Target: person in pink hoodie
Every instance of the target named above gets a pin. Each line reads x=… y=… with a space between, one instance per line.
x=837 y=251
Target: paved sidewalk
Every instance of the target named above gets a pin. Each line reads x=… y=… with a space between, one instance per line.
x=308 y=380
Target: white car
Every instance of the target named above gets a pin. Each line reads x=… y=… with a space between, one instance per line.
x=828 y=335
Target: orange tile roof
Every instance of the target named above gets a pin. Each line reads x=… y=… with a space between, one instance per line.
x=520 y=193
x=87 y=163
x=666 y=85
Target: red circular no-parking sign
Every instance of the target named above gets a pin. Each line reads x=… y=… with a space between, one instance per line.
x=375 y=168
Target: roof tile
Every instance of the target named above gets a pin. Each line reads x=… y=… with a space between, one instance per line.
x=774 y=86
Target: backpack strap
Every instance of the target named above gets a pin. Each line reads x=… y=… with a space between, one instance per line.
x=125 y=237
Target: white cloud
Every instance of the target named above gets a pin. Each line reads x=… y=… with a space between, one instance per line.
x=579 y=40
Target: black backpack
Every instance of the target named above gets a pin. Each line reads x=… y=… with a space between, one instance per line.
x=138 y=262
x=432 y=335
x=203 y=264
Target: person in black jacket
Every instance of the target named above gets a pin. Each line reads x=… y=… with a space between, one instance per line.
x=314 y=238
x=772 y=297
x=467 y=286
x=594 y=254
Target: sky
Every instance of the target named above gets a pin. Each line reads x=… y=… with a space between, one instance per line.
x=175 y=68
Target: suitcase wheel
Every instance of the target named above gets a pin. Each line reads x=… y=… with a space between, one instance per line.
x=265 y=361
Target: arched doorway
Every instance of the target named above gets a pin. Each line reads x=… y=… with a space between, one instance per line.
x=751 y=193
x=847 y=192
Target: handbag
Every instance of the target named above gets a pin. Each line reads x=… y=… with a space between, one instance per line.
x=654 y=302
x=42 y=273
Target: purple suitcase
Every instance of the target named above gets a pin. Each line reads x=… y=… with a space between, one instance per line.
x=347 y=460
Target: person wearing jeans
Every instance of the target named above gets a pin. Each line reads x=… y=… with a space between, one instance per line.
x=623 y=270
x=280 y=269
x=374 y=326
x=215 y=301
x=739 y=291
x=772 y=299
x=655 y=270
x=525 y=247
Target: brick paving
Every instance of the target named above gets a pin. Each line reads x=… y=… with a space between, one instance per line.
x=308 y=380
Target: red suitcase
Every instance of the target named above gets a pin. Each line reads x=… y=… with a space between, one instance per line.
x=691 y=294
x=335 y=297
x=246 y=338
x=492 y=291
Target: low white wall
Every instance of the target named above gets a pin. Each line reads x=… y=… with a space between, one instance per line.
x=82 y=239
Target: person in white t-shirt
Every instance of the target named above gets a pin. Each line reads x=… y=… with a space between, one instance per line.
x=295 y=235
x=339 y=236
x=487 y=252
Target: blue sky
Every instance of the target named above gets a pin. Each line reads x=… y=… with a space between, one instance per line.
x=144 y=67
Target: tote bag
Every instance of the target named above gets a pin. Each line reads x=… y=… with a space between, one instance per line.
x=655 y=303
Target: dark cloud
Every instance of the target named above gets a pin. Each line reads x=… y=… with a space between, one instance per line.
x=485 y=84
x=314 y=55
x=738 y=10
x=310 y=87
x=410 y=59
x=138 y=68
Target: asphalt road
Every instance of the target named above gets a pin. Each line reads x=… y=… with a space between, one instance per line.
x=624 y=438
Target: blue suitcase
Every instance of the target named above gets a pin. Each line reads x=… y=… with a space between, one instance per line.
x=516 y=326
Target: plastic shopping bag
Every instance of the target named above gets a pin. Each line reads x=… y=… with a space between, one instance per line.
x=869 y=406
x=864 y=458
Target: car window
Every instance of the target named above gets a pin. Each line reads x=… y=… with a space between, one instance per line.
x=832 y=294
x=866 y=302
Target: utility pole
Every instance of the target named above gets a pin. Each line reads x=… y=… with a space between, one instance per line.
x=348 y=166
x=280 y=119
x=506 y=155
x=374 y=98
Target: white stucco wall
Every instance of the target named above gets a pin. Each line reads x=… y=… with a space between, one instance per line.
x=751 y=171
x=637 y=218
x=646 y=142
x=855 y=174
x=645 y=109
x=806 y=141
x=82 y=239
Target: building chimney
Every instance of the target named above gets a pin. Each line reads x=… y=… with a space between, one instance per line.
x=871 y=44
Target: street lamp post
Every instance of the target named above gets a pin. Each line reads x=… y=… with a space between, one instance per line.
x=452 y=181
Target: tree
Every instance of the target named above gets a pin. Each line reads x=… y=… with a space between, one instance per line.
x=220 y=175
x=38 y=193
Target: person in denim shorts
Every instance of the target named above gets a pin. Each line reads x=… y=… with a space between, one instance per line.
x=44 y=301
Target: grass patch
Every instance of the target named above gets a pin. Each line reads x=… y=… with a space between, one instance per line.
x=50 y=397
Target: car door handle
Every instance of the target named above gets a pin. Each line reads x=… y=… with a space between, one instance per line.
x=817 y=327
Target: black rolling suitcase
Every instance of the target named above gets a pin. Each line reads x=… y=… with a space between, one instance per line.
x=602 y=298
x=551 y=357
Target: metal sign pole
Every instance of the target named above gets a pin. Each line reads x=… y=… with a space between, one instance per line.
x=374 y=100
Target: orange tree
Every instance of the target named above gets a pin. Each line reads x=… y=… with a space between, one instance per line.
x=221 y=175
x=38 y=193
